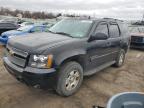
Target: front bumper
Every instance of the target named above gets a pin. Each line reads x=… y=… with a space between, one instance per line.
x=42 y=78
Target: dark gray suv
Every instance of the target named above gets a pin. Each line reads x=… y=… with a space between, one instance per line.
x=72 y=49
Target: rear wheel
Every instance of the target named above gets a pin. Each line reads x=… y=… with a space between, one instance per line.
x=120 y=59
x=69 y=79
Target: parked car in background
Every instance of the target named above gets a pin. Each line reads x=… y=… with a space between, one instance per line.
x=137 y=36
x=26 y=24
x=72 y=49
x=9 y=20
x=21 y=31
x=5 y=26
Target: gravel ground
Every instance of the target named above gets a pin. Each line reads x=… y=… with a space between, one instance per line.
x=95 y=90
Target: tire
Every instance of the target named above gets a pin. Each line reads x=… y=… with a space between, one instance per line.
x=120 y=59
x=70 y=78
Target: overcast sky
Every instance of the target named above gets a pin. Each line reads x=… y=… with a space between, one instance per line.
x=123 y=9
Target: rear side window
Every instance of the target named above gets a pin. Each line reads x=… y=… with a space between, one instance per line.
x=102 y=28
x=114 y=31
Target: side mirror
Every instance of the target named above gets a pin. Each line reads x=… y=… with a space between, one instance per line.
x=98 y=36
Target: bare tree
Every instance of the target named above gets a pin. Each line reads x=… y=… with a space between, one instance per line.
x=27 y=14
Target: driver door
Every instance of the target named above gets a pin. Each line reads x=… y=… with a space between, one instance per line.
x=98 y=49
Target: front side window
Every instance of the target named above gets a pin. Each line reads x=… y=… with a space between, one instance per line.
x=102 y=28
x=73 y=28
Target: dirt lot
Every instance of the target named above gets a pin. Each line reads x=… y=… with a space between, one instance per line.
x=96 y=90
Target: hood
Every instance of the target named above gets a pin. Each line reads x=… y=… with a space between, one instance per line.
x=11 y=32
x=37 y=42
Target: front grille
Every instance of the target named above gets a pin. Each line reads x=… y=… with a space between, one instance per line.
x=16 y=56
x=136 y=39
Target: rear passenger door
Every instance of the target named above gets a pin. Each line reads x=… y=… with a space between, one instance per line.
x=114 y=40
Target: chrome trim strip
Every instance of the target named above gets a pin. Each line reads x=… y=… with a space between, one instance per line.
x=96 y=56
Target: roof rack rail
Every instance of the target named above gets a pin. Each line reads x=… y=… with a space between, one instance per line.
x=82 y=17
x=114 y=19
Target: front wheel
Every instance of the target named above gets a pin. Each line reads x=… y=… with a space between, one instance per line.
x=69 y=79
x=120 y=59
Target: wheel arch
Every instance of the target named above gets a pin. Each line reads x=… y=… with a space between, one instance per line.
x=72 y=56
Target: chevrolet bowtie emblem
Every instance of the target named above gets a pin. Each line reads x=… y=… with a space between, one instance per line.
x=11 y=52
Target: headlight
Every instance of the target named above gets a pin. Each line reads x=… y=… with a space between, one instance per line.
x=41 y=61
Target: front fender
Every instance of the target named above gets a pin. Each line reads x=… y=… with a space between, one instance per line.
x=68 y=54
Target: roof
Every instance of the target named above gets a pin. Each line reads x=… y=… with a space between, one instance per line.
x=95 y=19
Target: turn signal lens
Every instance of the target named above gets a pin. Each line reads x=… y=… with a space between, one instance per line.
x=50 y=61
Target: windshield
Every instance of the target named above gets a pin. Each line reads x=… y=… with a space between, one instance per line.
x=73 y=28
x=25 y=28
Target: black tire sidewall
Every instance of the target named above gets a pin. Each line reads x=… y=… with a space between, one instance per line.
x=63 y=73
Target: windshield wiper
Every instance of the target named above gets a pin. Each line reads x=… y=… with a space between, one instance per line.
x=63 y=33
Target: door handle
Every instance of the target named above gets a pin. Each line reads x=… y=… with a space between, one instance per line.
x=108 y=43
